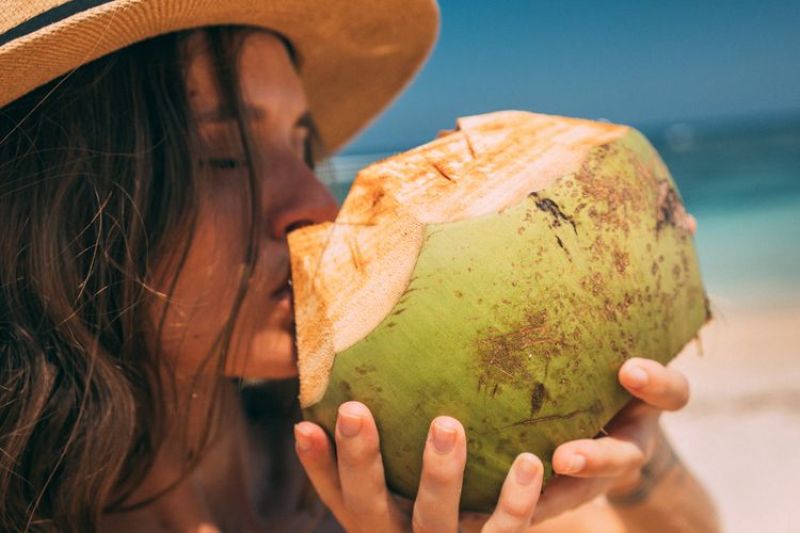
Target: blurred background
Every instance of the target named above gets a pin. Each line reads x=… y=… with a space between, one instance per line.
x=716 y=87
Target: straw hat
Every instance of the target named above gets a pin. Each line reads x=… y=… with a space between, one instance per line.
x=356 y=54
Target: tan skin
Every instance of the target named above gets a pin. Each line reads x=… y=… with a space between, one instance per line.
x=220 y=493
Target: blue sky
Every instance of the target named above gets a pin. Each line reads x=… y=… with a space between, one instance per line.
x=637 y=62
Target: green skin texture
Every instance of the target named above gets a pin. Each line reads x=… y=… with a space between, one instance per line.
x=520 y=337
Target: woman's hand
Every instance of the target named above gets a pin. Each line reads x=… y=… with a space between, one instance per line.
x=613 y=464
x=351 y=482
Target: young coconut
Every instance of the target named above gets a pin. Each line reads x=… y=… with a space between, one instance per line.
x=499 y=274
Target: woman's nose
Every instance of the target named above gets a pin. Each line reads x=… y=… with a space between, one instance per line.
x=303 y=201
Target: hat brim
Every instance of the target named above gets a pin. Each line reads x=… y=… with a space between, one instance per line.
x=356 y=55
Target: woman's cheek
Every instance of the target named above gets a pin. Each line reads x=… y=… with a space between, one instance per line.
x=188 y=316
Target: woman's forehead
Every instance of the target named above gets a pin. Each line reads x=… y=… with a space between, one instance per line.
x=267 y=76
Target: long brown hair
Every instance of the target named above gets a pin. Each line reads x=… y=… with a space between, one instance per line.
x=97 y=179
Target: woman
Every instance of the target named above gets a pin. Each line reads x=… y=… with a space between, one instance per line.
x=149 y=174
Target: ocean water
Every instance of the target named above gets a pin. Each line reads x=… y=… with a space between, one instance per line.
x=741 y=180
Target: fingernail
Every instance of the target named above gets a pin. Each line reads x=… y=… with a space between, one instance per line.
x=444 y=433
x=526 y=468
x=576 y=464
x=349 y=424
x=637 y=377
x=302 y=438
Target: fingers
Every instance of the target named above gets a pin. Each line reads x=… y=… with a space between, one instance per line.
x=361 y=470
x=604 y=457
x=436 y=506
x=655 y=384
x=316 y=455
x=591 y=467
x=518 y=497
x=351 y=483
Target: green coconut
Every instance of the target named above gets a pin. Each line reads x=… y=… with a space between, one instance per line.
x=501 y=275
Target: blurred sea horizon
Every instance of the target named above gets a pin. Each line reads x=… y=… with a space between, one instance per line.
x=739 y=176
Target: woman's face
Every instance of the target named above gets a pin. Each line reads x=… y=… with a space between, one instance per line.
x=291 y=195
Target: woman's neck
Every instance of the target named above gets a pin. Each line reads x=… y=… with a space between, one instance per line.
x=217 y=494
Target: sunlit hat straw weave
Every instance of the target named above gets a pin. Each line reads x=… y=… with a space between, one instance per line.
x=356 y=55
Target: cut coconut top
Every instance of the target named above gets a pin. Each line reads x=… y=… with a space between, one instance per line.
x=349 y=275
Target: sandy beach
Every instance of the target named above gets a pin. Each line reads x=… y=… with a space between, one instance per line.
x=741 y=429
